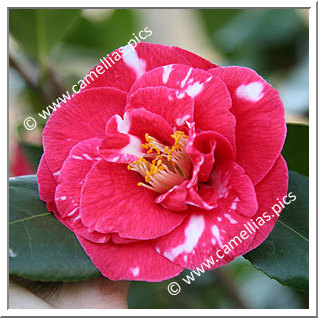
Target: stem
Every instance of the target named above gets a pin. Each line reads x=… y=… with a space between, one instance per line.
x=41 y=94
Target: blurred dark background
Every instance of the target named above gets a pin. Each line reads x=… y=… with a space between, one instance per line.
x=51 y=49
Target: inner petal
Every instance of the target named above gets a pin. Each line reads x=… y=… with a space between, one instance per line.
x=163 y=166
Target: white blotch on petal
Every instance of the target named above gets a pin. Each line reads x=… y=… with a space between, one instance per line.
x=77 y=157
x=194 y=89
x=232 y=221
x=252 y=92
x=123 y=125
x=133 y=61
x=56 y=173
x=135 y=271
x=63 y=198
x=234 y=203
x=72 y=212
x=133 y=148
x=86 y=156
x=185 y=258
x=216 y=233
x=192 y=233
x=181 y=121
x=166 y=73
x=219 y=219
x=213 y=241
x=234 y=206
x=186 y=78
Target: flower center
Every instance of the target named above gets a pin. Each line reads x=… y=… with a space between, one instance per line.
x=162 y=166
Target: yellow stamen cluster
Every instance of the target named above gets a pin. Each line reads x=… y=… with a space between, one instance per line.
x=177 y=145
x=162 y=158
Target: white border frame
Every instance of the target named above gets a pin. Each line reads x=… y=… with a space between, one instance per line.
x=312 y=165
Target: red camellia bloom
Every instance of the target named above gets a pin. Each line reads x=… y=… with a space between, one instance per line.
x=162 y=159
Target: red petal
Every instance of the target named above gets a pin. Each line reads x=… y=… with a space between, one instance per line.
x=127 y=64
x=201 y=236
x=212 y=100
x=164 y=102
x=67 y=196
x=260 y=124
x=195 y=60
x=83 y=117
x=111 y=201
x=274 y=186
x=124 y=137
x=47 y=186
x=134 y=261
x=46 y=181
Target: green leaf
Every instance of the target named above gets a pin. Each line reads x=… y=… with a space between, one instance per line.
x=284 y=255
x=296 y=148
x=40 y=247
x=38 y=30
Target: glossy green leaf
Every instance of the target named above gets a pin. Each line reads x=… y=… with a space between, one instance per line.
x=296 y=148
x=38 y=30
x=284 y=255
x=40 y=247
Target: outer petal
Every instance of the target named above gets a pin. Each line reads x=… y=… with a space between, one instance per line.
x=126 y=64
x=195 y=60
x=47 y=186
x=235 y=190
x=260 y=124
x=212 y=100
x=82 y=117
x=273 y=186
x=202 y=234
x=47 y=183
x=67 y=196
x=134 y=261
x=164 y=102
x=111 y=201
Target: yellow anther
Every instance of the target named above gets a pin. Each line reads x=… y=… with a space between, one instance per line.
x=158 y=157
x=148 y=138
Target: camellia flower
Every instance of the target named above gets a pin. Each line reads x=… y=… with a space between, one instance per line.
x=162 y=159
